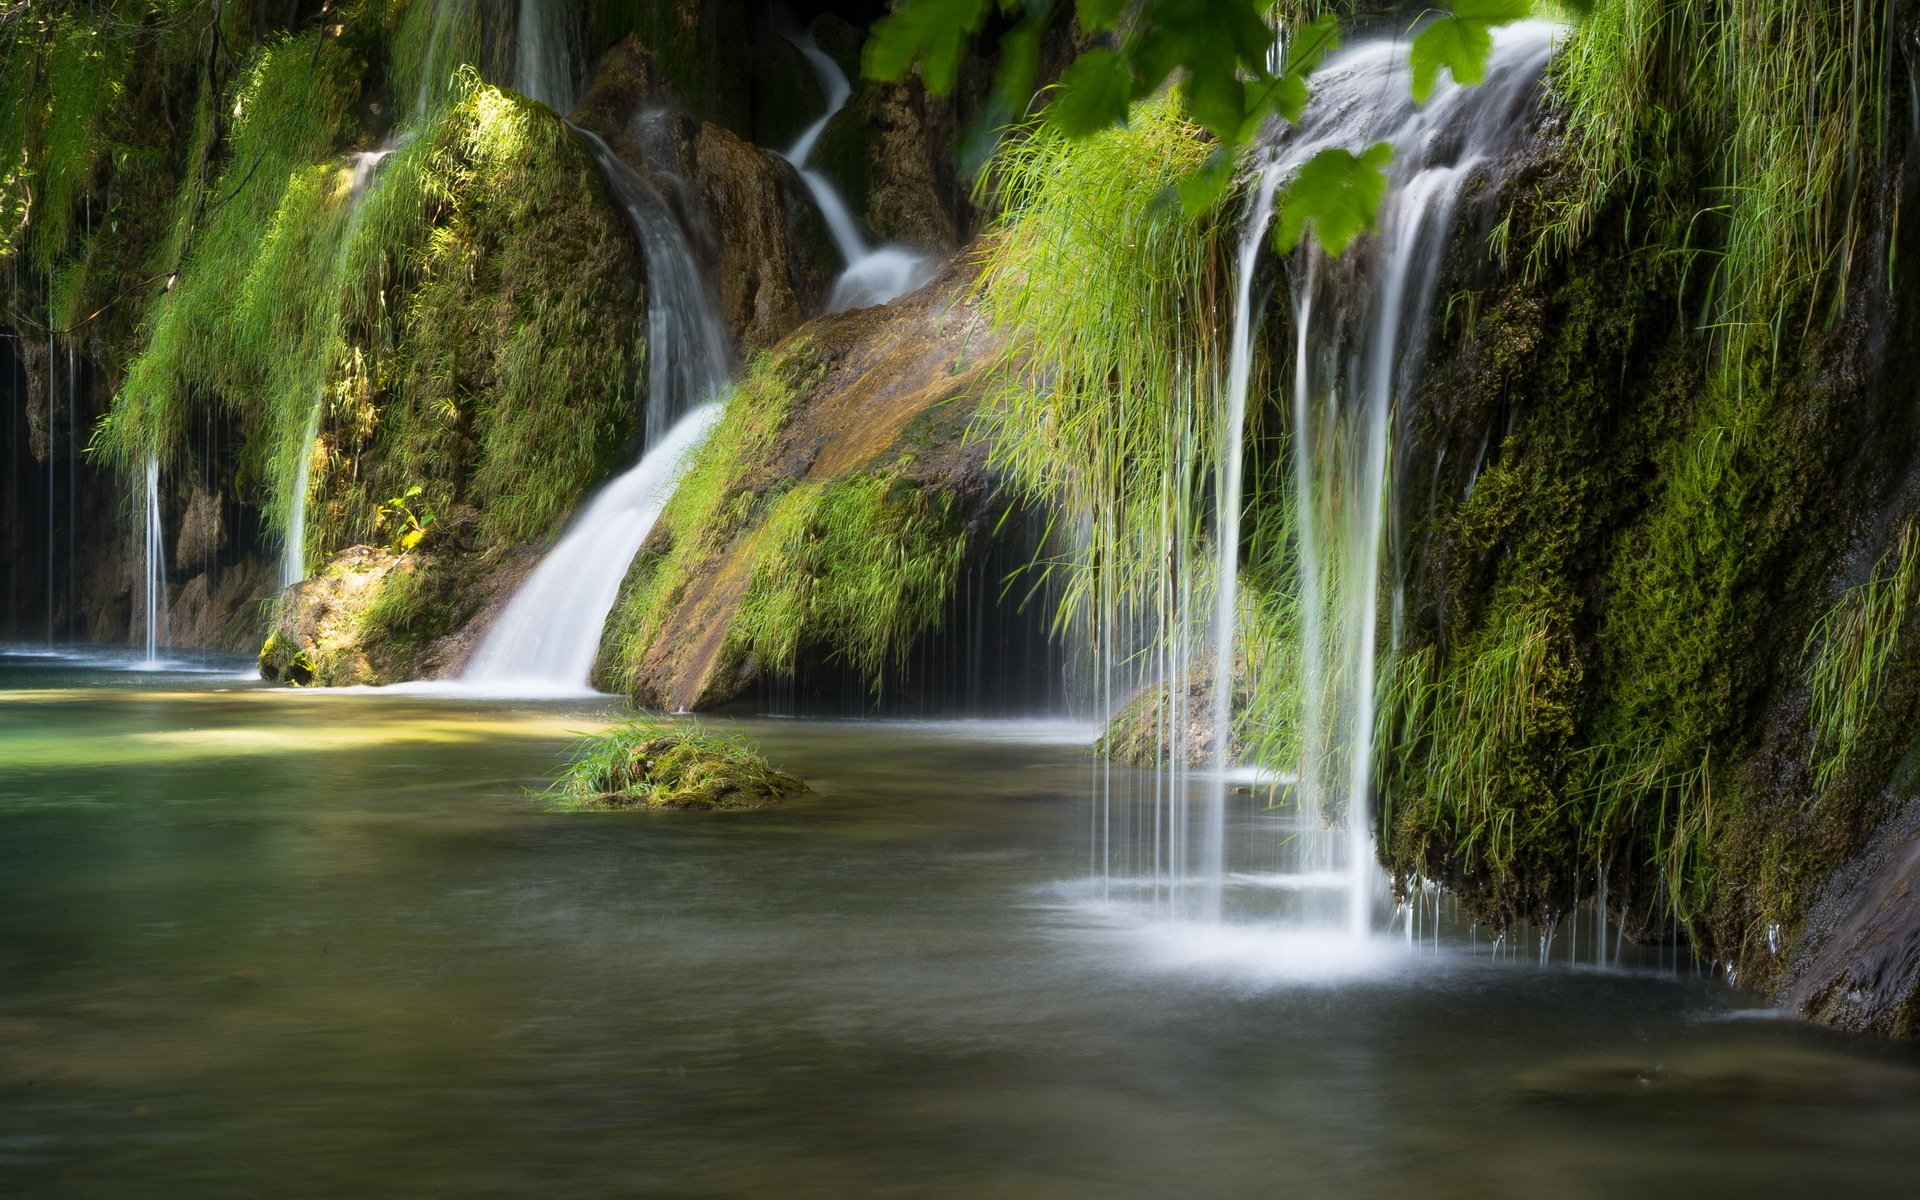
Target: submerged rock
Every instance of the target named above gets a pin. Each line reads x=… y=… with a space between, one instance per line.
x=642 y=765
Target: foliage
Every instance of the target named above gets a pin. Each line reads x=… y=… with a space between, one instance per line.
x=408 y=517
x=859 y=567
x=1106 y=427
x=1850 y=651
x=663 y=765
x=1234 y=71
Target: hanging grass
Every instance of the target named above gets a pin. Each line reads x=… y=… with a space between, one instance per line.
x=1850 y=652
x=1095 y=260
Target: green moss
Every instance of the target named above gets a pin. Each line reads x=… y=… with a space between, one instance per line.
x=715 y=501
x=858 y=569
x=656 y=765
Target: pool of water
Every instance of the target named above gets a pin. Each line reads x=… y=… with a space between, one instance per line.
x=261 y=942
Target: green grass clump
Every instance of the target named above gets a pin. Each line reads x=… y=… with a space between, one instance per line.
x=1850 y=652
x=662 y=765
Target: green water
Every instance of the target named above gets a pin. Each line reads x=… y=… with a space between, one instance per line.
x=261 y=943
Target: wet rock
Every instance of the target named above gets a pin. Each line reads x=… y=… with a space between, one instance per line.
x=1140 y=733
x=203 y=533
x=744 y=209
x=883 y=392
x=373 y=616
x=786 y=93
x=841 y=39
x=1857 y=962
x=889 y=153
x=222 y=608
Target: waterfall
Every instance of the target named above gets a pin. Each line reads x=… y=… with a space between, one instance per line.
x=546 y=639
x=549 y=634
x=872 y=275
x=686 y=341
x=293 y=543
x=545 y=53
x=1356 y=370
x=154 y=554
x=1308 y=876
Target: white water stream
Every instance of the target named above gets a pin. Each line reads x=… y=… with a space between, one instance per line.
x=154 y=556
x=1361 y=325
x=547 y=638
x=293 y=543
x=547 y=40
x=545 y=641
x=874 y=275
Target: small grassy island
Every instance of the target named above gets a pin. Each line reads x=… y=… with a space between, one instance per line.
x=659 y=764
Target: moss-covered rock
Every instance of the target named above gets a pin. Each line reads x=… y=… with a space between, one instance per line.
x=666 y=766
x=377 y=615
x=828 y=517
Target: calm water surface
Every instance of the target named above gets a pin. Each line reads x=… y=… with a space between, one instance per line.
x=264 y=943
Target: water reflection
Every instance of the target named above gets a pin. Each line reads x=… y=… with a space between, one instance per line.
x=256 y=941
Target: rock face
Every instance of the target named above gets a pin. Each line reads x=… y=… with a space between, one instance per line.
x=745 y=210
x=375 y=616
x=1857 y=962
x=861 y=415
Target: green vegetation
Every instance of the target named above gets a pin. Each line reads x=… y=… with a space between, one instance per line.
x=1851 y=650
x=1110 y=422
x=662 y=765
x=854 y=566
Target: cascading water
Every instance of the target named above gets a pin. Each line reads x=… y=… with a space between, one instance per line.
x=293 y=543
x=1356 y=358
x=154 y=557
x=1356 y=369
x=873 y=275
x=546 y=639
x=687 y=356
x=546 y=53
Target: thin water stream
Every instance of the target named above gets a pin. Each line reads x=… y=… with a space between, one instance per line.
x=306 y=944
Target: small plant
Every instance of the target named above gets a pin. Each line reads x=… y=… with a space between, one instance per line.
x=659 y=764
x=408 y=516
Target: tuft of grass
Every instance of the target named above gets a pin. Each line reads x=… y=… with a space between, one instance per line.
x=667 y=765
x=1850 y=651
x=1095 y=259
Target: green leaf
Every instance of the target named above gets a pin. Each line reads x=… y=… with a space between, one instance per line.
x=1493 y=12
x=931 y=32
x=1098 y=16
x=1337 y=194
x=1461 y=46
x=1311 y=43
x=1094 y=94
x=1019 y=63
x=1202 y=190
